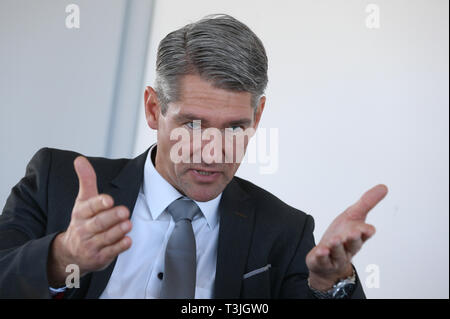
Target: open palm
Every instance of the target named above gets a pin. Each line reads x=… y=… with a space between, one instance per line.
x=331 y=259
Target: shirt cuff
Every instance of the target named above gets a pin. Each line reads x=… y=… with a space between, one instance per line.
x=55 y=291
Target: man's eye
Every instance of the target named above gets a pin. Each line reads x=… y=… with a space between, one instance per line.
x=193 y=125
x=235 y=128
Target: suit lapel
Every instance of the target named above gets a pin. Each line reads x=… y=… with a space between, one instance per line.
x=124 y=189
x=235 y=233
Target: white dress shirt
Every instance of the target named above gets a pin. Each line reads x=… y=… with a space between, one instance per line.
x=137 y=271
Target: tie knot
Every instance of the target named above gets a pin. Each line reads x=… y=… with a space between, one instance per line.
x=183 y=209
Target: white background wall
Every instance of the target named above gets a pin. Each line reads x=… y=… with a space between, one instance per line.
x=354 y=107
x=56 y=84
x=74 y=89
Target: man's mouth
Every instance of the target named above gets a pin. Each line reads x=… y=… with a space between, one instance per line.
x=206 y=170
x=205 y=175
x=203 y=172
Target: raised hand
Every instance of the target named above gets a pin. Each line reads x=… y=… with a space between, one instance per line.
x=96 y=233
x=330 y=260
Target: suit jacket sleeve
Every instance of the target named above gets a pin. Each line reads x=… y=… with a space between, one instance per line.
x=295 y=283
x=24 y=243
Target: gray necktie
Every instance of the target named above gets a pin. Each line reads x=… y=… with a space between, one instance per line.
x=180 y=263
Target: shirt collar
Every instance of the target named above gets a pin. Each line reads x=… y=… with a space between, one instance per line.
x=159 y=194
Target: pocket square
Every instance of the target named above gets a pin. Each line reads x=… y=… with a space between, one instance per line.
x=257 y=271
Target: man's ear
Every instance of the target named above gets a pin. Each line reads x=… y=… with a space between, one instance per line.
x=259 y=111
x=152 y=107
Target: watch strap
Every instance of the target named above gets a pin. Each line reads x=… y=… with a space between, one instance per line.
x=340 y=290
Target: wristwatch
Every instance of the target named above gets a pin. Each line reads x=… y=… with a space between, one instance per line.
x=341 y=290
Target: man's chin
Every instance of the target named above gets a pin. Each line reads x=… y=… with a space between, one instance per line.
x=203 y=197
x=203 y=193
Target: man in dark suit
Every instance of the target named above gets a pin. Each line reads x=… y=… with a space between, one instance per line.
x=110 y=218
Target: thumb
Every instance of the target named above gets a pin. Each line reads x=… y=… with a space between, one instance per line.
x=367 y=201
x=86 y=178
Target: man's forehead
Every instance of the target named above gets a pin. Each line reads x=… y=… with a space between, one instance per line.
x=182 y=113
x=196 y=92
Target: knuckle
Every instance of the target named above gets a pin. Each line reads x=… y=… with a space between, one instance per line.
x=117 y=233
x=109 y=237
x=91 y=204
x=109 y=220
x=98 y=223
x=97 y=202
x=104 y=238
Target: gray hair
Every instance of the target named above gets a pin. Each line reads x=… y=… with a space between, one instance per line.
x=219 y=49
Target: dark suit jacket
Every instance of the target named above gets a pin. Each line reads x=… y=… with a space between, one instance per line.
x=256 y=229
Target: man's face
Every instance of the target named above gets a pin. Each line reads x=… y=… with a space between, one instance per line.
x=223 y=110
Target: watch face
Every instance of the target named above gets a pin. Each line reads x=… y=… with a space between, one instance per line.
x=344 y=291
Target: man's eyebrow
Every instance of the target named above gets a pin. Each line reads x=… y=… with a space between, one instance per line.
x=188 y=117
x=243 y=122
x=192 y=117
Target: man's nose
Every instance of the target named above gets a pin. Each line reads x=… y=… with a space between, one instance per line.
x=211 y=150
